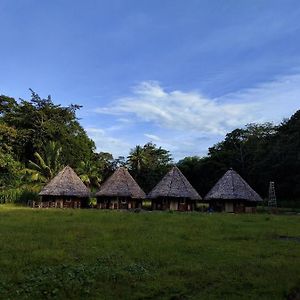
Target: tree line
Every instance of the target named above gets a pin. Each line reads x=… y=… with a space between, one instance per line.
x=38 y=138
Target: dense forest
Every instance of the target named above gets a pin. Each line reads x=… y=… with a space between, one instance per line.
x=38 y=138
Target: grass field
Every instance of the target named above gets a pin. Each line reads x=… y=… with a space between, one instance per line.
x=91 y=254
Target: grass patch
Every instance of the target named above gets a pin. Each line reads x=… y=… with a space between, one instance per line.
x=92 y=254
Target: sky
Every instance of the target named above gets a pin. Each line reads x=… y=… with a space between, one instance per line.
x=180 y=74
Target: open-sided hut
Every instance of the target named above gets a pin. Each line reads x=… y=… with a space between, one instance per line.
x=120 y=191
x=174 y=192
x=65 y=190
x=232 y=194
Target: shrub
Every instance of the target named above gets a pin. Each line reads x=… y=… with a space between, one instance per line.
x=18 y=195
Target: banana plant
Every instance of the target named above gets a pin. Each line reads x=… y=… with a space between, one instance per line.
x=89 y=174
x=45 y=168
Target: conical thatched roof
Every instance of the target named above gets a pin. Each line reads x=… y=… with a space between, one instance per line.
x=232 y=186
x=121 y=184
x=66 y=183
x=174 y=185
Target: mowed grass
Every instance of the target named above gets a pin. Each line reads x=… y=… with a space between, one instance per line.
x=93 y=254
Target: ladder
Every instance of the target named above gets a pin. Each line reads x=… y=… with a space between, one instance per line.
x=272 y=202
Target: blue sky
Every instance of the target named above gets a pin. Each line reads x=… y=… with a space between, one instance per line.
x=178 y=73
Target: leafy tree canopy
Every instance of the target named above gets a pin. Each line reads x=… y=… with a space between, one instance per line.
x=39 y=121
x=259 y=152
x=148 y=164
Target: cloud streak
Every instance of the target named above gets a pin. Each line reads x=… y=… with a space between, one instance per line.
x=189 y=122
x=191 y=110
x=180 y=110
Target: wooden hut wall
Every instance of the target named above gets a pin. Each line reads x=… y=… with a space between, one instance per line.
x=173 y=204
x=179 y=204
x=233 y=206
x=108 y=203
x=63 y=202
x=118 y=203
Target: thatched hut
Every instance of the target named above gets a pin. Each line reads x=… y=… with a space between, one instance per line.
x=174 y=192
x=232 y=194
x=120 y=191
x=65 y=190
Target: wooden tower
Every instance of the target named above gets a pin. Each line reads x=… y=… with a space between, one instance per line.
x=272 y=202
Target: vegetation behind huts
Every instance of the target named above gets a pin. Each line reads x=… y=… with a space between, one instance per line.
x=39 y=137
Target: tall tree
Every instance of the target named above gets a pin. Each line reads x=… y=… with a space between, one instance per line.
x=282 y=158
x=9 y=166
x=89 y=174
x=137 y=159
x=47 y=166
x=105 y=163
x=148 y=164
x=39 y=120
x=244 y=149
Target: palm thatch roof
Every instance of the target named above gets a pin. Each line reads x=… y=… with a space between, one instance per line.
x=121 y=184
x=66 y=183
x=232 y=186
x=174 y=185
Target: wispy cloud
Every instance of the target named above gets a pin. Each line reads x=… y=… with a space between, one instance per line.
x=188 y=122
x=152 y=137
x=275 y=99
x=180 y=110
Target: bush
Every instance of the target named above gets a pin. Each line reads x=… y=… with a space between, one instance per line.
x=289 y=203
x=18 y=195
x=9 y=196
x=27 y=195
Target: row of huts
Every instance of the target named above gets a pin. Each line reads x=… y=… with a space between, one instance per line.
x=174 y=192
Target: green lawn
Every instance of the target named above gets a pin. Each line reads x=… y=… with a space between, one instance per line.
x=92 y=254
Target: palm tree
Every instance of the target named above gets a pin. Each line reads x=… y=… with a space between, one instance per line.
x=89 y=174
x=136 y=158
x=45 y=168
